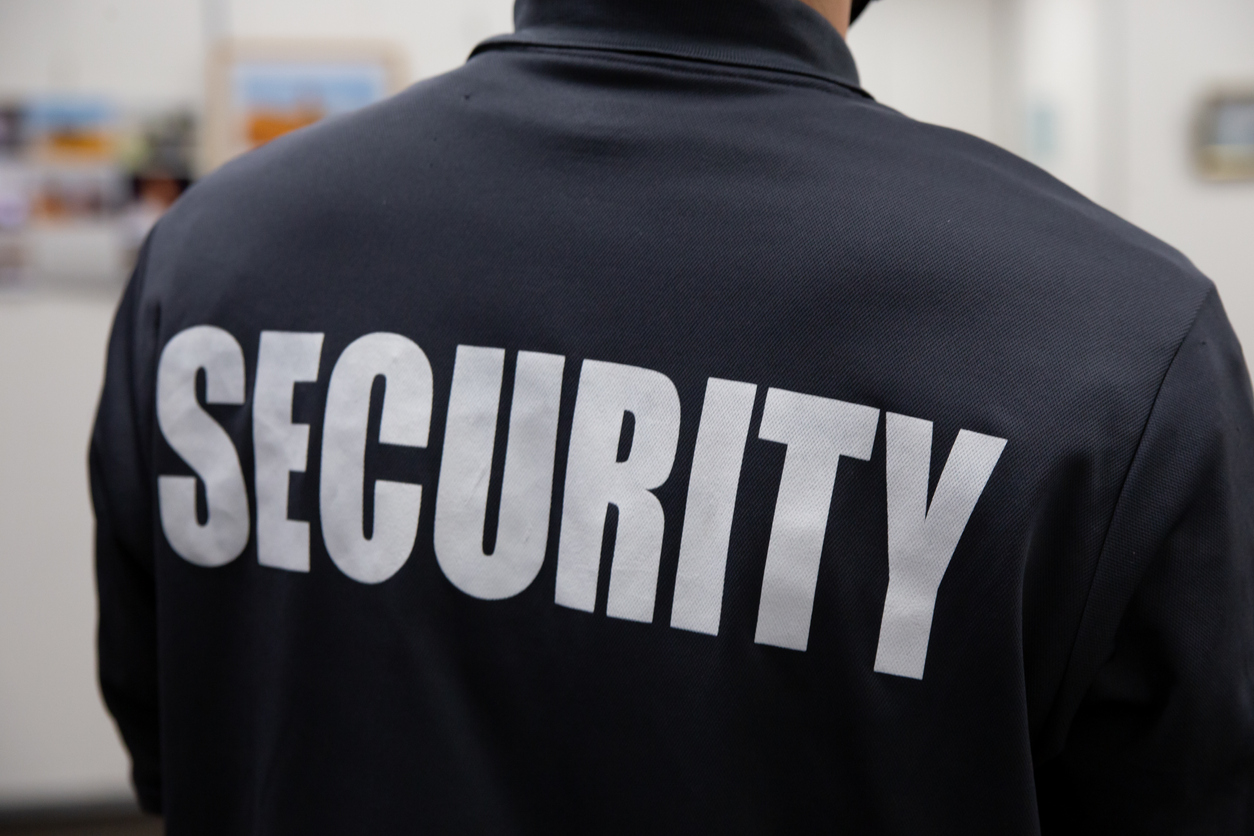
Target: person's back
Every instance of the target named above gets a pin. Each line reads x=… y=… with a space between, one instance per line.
x=852 y=474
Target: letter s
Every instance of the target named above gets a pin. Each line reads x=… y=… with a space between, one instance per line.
x=201 y=442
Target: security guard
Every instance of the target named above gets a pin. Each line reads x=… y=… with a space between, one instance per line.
x=641 y=430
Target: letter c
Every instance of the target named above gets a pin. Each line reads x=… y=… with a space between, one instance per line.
x=406 y=421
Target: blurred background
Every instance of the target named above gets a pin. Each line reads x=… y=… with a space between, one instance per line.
x=110 y=108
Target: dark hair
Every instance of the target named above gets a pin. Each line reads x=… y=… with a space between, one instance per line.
x=858 y=7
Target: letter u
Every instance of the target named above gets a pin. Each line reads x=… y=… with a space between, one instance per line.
x=466 y=464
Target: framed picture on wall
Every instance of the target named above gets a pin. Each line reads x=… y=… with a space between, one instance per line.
x=260 y=90
x=1224 y=147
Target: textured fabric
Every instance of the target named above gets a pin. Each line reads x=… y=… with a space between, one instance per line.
x=836 y=472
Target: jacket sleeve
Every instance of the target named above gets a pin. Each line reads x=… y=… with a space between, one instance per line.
x=121 y=446
x=1161 y=738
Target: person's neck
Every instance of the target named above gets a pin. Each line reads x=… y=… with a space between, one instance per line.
x=836 y=12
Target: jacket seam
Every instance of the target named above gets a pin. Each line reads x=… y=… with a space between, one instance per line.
x=1123 y=487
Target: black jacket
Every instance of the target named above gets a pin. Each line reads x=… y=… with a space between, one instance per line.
x=860 y=477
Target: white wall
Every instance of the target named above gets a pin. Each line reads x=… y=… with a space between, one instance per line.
x=1059 y=74
x=139 y=52
x=56 y=742
x=436 y=35
x=151 y=52
x=934 y=60
x=1177 y=53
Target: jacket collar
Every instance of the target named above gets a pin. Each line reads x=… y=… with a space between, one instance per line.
x=782 y=35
